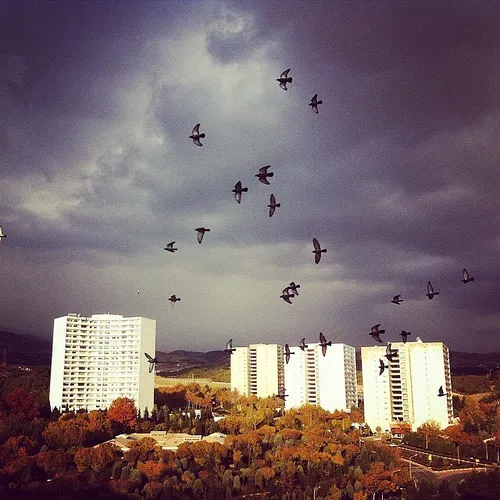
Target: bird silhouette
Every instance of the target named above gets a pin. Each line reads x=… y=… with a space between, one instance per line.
x=294 y=288
x=173 y=299
x=196 y=136
x=238 y=190
x=264 y=174
x=389 y=352
x=303 y=346
x=396 y=299
x=284 y=79
x=382 y=367
x=405 y=336
x=201 y=232
x=317 y=251
x=375 y=333
x=229 y=347
x=286 y=295
x=323 y=343
x=314 y=103
x=441 y=393
x=466 y=277
x=170 y=247
x=2 y=234
x=430 y=291
x=273 y=205
x=288 y=353
x=152 y=362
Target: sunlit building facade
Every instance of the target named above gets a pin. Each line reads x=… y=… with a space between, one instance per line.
x=407 y=391
x=258 y=369
x=99 y=358
x=328 y=381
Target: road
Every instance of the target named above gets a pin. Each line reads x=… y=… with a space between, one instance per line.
x=454 y=477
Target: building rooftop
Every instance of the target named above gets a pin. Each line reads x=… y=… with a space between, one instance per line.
x=168 y=441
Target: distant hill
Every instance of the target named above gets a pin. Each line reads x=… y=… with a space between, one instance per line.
x=24 y=349
x=178 y=362
x=32 y=350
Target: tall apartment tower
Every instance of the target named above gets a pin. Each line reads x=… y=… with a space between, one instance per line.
x=407 y=391
x=98 y=358
x=328 y=381
x=258 y=369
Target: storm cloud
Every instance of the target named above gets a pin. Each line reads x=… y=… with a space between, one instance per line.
x=397 y=176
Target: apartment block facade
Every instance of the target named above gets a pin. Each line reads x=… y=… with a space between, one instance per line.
x=258 y=370
x=328 y=381
x=407 y=391
x=99 y=358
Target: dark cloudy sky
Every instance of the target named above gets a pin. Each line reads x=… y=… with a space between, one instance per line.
x=397 y=176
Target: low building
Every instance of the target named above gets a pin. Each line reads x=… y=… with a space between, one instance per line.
x=168 y=441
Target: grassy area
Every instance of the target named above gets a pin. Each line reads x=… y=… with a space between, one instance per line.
x=170 y=382
x=215 y=373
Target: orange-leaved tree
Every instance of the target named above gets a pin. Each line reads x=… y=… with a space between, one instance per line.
x=429 y=429
x=123 y=412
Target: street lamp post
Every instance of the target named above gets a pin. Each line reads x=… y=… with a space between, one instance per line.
x=485 y=441
x=414 y=480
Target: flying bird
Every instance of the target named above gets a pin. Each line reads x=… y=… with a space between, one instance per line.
x=264 y=174
x=286 y=295
x=288 y=353
x=389 y=352
x=317 y=251
x=284 y=79
x=170 y=247
x=466 y=277
x=273 y=205
x=375 y=333
x=173 y=299
x=201 y=232
x=229 y=347
x=430 y=291
x=293 y=287
x=152 y=362
x=314 y=103
x=303 y=344
x=441 y=393
x=238 y=190
x=196 y=136
x=2 y=234
x=405 y=334
x=382 y=367
x=396 y=299
x=323 y=343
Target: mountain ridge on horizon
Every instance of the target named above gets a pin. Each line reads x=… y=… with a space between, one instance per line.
x=31 y=349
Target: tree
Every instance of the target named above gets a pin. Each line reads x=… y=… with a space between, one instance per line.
x=430 y=429
x=123 y=412
x=457 y=436
x=21 y=404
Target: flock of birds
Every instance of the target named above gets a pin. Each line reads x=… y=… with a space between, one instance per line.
x=290 y=291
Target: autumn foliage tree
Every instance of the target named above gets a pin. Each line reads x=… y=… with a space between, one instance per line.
x=123 y=412
x=430 y=429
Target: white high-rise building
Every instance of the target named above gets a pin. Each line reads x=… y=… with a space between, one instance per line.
x=257 y=369
x=328 y=381
x=97 y=359
x=407 y=391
